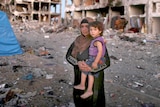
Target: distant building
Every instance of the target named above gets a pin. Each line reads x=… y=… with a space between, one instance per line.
x=38 y=10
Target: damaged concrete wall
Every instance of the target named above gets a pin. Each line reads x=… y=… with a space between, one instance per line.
x=143 y=15
x=97 y=9
x=154 y=17
x=39 y=10
x=4 y=6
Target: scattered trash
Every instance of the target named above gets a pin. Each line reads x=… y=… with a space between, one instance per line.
x=147 y=105
x=2 y=85
x=27 y=95
x=49 y=94
x=157 y=76
x=64 y=62
x=48 y=88
x=139 y=67
x=46 y=36
x=139 y=84
x=15 y=68
x=37 y=72
x=4 y=64
x=120 y=59
x=28 y=77
x=48 y=56
x=5 y=86
x=62 y=81
x=113 y=57
x=71 y=104
x=49 y=76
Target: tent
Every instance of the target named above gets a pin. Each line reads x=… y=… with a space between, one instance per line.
x=9 y=44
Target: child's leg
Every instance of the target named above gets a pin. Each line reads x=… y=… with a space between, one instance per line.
x=89 y=90
x=81 y=86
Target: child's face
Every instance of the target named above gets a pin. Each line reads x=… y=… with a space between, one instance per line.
x=94 y=32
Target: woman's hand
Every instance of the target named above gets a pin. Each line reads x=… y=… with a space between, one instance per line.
x=83 y=66
x=94 y=65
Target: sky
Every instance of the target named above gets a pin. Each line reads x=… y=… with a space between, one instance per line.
x=62 y=8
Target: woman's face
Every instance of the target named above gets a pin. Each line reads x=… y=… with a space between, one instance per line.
x=84 y=29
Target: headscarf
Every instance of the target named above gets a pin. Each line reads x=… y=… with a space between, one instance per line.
x=82 y=42
x=84 y=21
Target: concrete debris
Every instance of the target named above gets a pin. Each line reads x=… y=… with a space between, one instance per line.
x=42 y=76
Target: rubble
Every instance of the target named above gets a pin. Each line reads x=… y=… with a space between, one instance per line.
x=42 y=76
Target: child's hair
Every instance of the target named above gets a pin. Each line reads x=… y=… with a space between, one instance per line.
x=97 y=24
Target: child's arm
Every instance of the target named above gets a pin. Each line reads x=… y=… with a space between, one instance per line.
x=105 y=40
x=98 y=44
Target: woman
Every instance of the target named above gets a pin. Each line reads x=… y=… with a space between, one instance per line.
x=76 y=55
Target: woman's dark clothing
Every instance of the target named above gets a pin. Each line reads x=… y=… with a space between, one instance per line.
x=98 y=97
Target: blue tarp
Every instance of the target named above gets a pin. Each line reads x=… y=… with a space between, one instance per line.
x=9 y=44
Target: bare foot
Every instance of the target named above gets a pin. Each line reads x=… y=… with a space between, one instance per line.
x=80 y=87
x=86 y=94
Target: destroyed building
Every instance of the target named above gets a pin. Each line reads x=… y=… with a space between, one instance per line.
x=32 y=10
x=141 y=15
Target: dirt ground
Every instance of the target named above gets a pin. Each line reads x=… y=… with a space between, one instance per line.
x=41 y=77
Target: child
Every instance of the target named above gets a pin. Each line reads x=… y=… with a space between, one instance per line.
x=96 y=57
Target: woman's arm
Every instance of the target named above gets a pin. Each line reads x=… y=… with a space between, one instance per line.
x=84 y=67
x=69 y=57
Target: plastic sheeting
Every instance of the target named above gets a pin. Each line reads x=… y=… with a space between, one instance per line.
x=9 y=44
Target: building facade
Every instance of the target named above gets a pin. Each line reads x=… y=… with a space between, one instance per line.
x=39 y=10
x=141 y=14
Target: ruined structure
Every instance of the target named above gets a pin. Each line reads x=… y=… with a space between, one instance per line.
x=39 y=10
x=142 y=15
